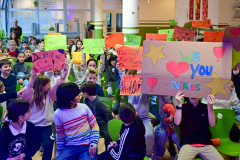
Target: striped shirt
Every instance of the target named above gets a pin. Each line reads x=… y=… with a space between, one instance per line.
x=76 y=127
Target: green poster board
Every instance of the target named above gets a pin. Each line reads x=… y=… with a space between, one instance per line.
x=169 y=33
x=55 y=42
x=133 y=40
x=93 y=46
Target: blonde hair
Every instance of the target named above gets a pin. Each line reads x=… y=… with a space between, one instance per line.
x=9 y=43
x=91 y=71
x=38 y=47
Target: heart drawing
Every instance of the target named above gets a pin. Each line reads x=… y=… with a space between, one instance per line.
x=152 y=82
x=235 y=31
x=177 y=68
x=219 y=51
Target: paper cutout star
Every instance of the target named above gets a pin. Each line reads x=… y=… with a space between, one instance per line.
x=217 y=85
x=235 y=57
x=155 y=53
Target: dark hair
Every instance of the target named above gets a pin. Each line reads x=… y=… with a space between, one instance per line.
x=77 y=38
x=127 y=113
x=66 y=92
x=4 y=61
x=25 y=42
x=34 y=38
x=15 y=39
x=76 y=44
x=91 y=60
x=112 y=58
x=27 y=48
x=89 y=88
x=21 y=53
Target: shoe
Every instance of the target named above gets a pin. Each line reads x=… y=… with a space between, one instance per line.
x=53 y=137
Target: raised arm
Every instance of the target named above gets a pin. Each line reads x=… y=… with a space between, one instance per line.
x=211 y=115
x=178 y=114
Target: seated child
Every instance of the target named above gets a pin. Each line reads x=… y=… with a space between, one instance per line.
x=5 y=51
x=12 y=48
x=28 y=54
x=194 y=119
x=14 y=37
x=8 y=80
x=34 y=44
x=22 y=70
x=78 y=77
x=77 y=129
x=131 y=144
x=18 y=136
x=2 y=56
x=40 y=48
x=24 y=46
x=91 y=75
x=29 y=40
x=99 y=109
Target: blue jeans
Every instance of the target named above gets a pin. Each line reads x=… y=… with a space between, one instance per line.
x=75 y=153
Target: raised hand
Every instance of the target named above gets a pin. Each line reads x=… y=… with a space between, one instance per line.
x=211 y=100
x=179 y=97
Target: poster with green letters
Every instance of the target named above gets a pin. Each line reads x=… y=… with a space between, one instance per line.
x=133 y=40
x=55 y=42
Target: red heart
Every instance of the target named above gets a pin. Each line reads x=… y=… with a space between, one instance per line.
x=235 y=31
x=177 y=68
x=152 y=82
x=219 y=51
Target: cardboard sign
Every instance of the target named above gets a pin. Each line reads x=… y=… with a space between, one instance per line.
x=211 y=36
x=113 y=39
x=202 y=24
x=233 y=32
x=130 y=85
x=156 y=37
x=234 y=41
x=93 y=46
x=77 y=57
x=129 y=58
x=54 y=42
x=181 y=33
x=117 y=46
x=48 y=60
x=133 y=40
x=169 y=33
x=54 y=33
x=197 y=69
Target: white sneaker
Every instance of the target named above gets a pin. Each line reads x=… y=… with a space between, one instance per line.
x=53 y=137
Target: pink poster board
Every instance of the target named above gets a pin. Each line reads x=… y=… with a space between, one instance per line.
x=48 y=61
x=233 y=32
x=156 y=37
x=181 y=33
x=130 y=85
x=198 y=69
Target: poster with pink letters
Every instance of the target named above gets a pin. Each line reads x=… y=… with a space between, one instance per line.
x=48 y=61
x=197 y=69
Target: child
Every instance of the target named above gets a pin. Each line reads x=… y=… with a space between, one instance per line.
x=77 y=129
x=99 y=109
x=24 y=46
x=40 y=48
x=78 y=77
x=91 y=75
x=29 y=40
x=131 y=144
x=12 y=48
x=5 y=51
x=79 y=46
x=41 y=96
x=14 y=37
x=1 y=43
x=8 y=80
x=66 y=52
x=18 y=136
x=34 y=44
x=194 y=119
x=28 y=54
x=71 y=46
x=22 y=70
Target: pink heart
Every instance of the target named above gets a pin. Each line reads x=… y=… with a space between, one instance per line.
x=219 y=51
x=152 y=82
x=235 y=31
x=177 y=68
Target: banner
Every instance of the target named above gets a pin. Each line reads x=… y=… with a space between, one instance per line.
x=54 y=42
x=93 y=46
x=130 y=85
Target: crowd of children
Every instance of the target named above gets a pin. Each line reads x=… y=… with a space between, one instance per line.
x=50 y=103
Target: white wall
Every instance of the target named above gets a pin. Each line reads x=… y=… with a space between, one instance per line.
x=227 y=12
x=112 y=4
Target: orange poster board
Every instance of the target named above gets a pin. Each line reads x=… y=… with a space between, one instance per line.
x=117 y=46
x=211 y=36
x=77 y=57
x=113 y=39
x=156 y=37
x=202 y=24
x=130 y=85
x=54 y=33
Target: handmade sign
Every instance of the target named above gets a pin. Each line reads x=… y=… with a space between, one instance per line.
x=169 y=33
x=233 y=32
x=133 y=40
x=202 y=24
x=235 y=58
x=48 y=61
x=54 y=42
x=117 y=46
x=129 y=58
x=210 y=36
x=113 y=39
x=181 y=33
x=77 y=57
x=130 y=85
x=93 y=46
x=54 y=33
x=197 y=69
x=156 y=37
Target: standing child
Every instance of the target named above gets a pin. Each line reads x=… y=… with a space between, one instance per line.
x=99 y=109
x=18 y=136
x=41 y=96
x=24 y=46
x=12 y=48
x=131 y=144
x=28 y=54
x=22 y=70
x=9 y=81
x=78 y=77
x=34 y=44
x=77 y=129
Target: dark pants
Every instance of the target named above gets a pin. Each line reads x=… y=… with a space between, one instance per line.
x=106 y=156
x=104 y=132
x=155 y=111
x=234 y=133
x=45 y=133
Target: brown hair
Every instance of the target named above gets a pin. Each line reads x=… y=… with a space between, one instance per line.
x=91 y=71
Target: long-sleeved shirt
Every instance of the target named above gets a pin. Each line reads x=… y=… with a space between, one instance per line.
x=236 y=81
x=10 y=83
x=15 y=143
x=110 y=71
x=22 y=67
x=131 y=142
x=76 y=126
x=78 y=77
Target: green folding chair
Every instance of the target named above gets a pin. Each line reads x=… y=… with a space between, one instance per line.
x=108 y=101
x=18 y=87
x=14 y=59
x=30 y=64
x=225 y=119
x=118 y=96
x=105 y=92
x=71 y=77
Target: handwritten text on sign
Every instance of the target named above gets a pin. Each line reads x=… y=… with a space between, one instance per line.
x=54 y=42
x=130 y=85
x=48 y=61
x=129 y=58
x=202 y=24
x=93 y=46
